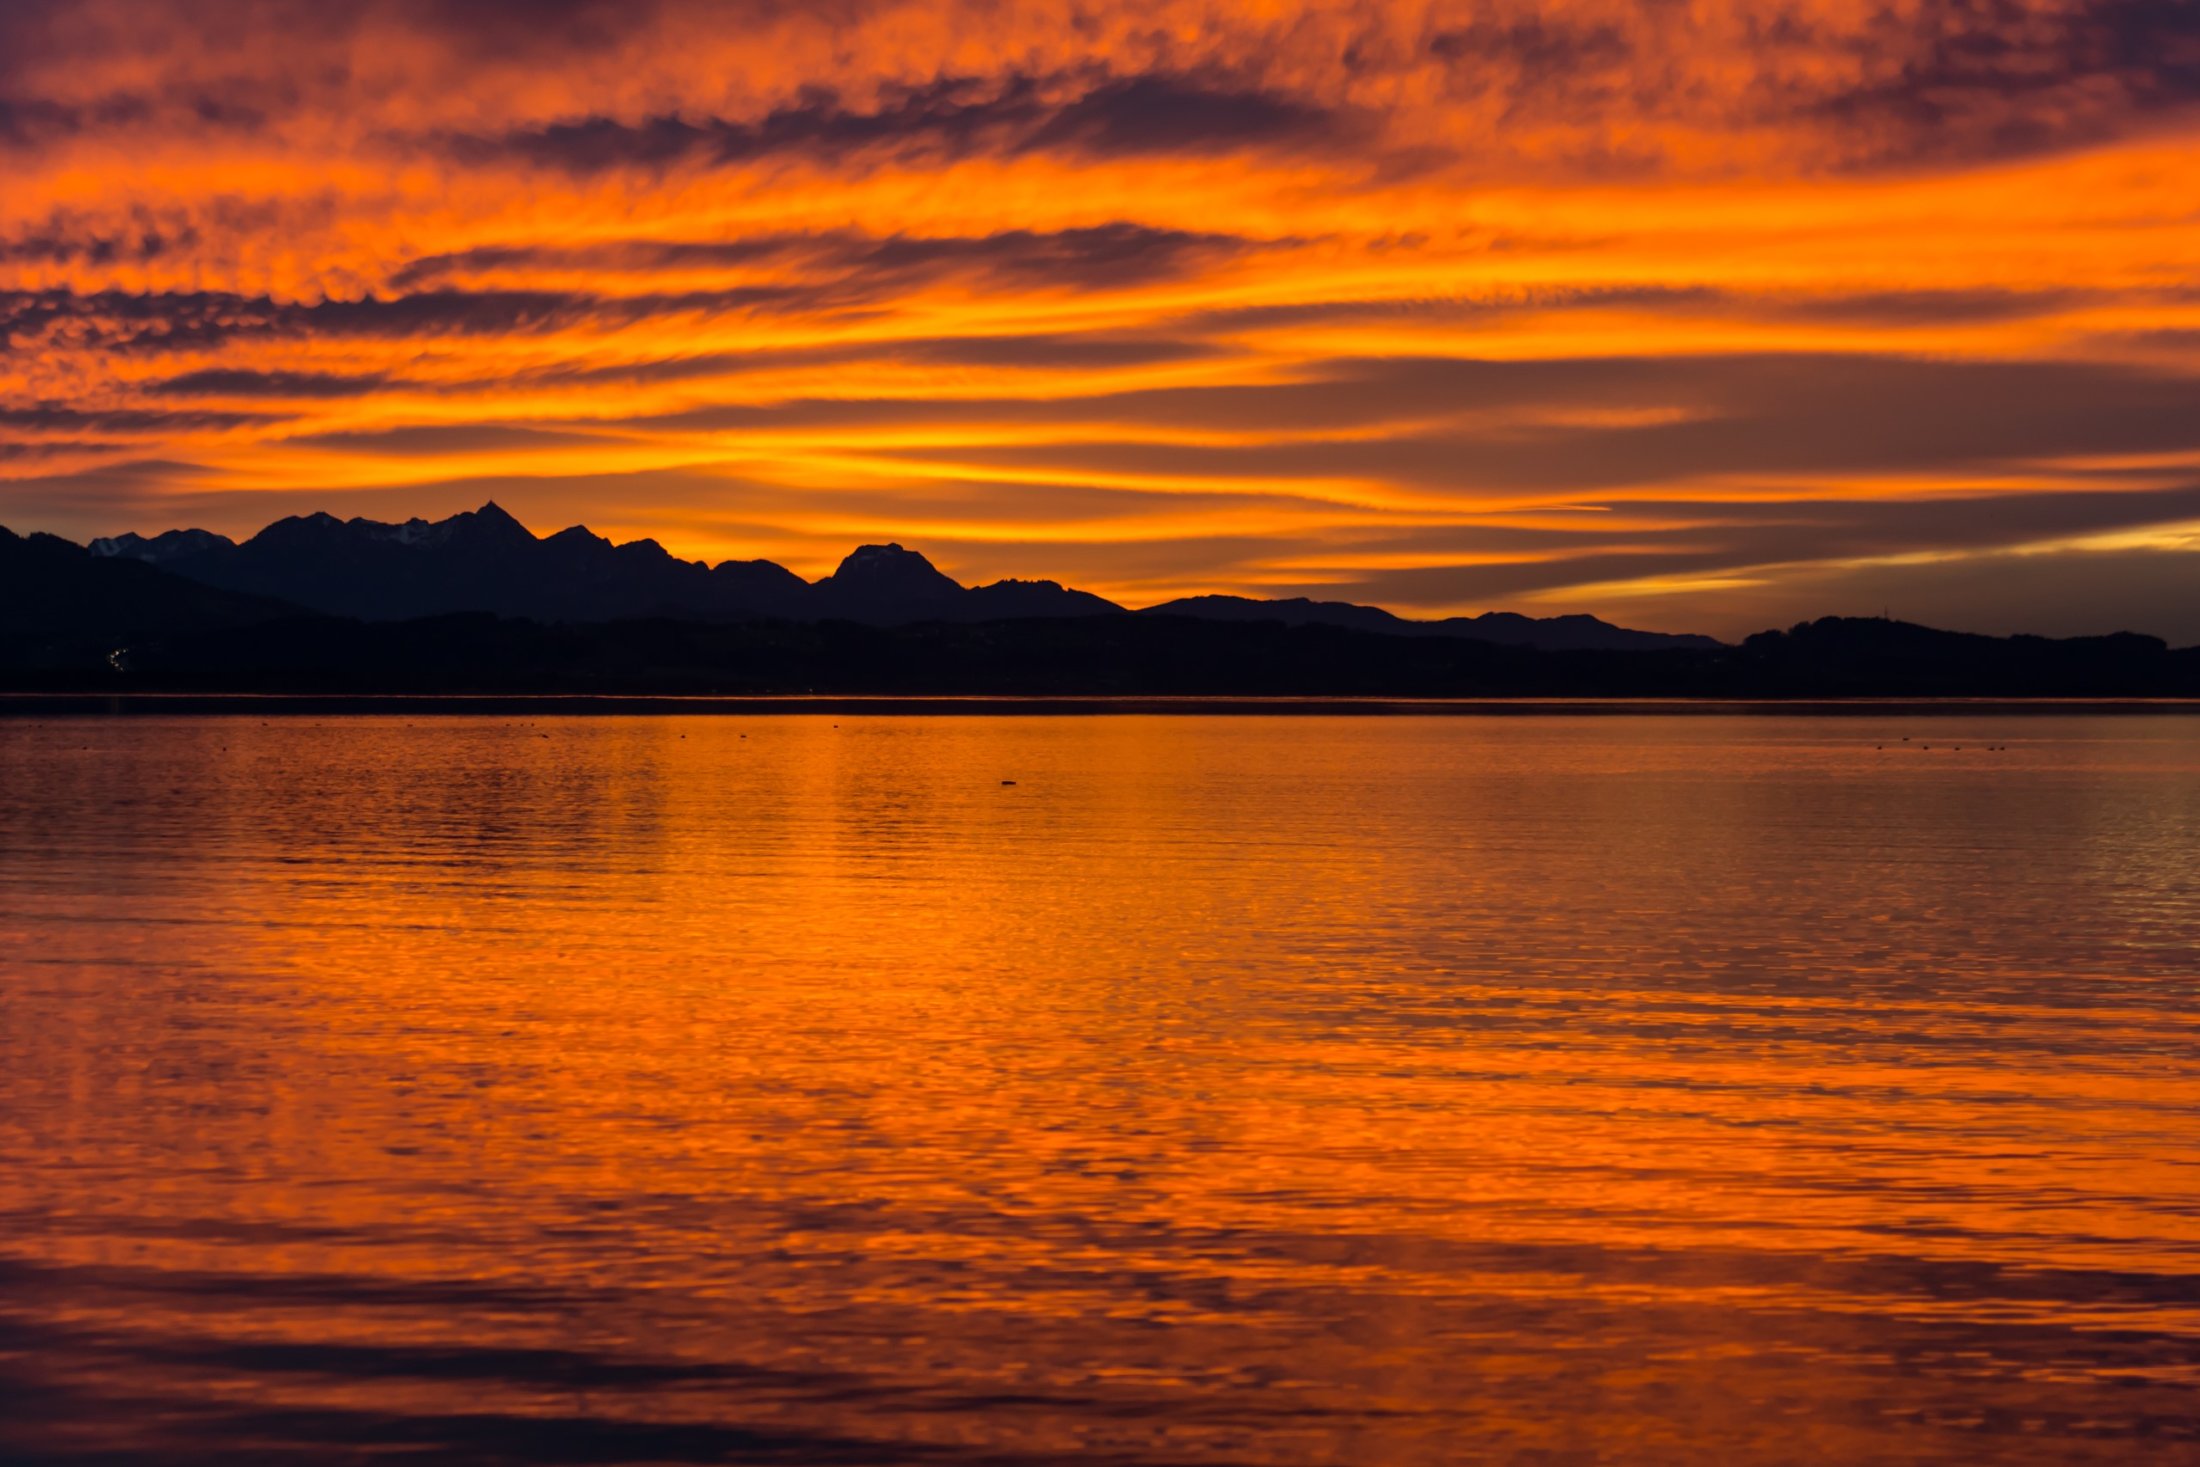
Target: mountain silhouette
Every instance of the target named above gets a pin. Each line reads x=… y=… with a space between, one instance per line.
x=62 y=606
x=888 y=622
x=161 y=548
x=1506 y=628
x=487 y=561
x=482 y=560
x=1843 y=656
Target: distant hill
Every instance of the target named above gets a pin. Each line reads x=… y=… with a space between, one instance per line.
x=1144 y=655
x=1506 y=628
x=1839 y=656
x=62 y=607
x=885 y=585
x=485 y=560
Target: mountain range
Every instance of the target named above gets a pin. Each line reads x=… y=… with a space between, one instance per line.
x=477 y=605
x=485 y=560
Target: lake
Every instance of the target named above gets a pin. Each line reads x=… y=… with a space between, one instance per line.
x=870 y=1088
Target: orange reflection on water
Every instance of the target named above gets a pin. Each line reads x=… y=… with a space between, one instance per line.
x=1224 y=1089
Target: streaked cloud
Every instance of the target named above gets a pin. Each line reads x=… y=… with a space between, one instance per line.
x=1717 y=312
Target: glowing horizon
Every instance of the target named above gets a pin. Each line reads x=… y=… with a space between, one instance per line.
x=1700 y=320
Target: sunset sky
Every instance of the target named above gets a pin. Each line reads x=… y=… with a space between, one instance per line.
x=1700 y=316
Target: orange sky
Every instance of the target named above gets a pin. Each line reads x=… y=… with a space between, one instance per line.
x=1696 y=315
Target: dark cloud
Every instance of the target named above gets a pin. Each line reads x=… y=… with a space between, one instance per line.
x=1453 y=309
x=18 y=451
x=699 y=367
x=32 y=30
x=1988 y=78
x=1752 y=537
x=532 y=25
x=1809 y=529
x=520 y=312
x=952 y=117
x=45 y=418
x=27 y=122
x=1955 y=579
x=1052 y=351
x=1347 y=396
x=1942 y=81
x=111 y=319
x=176 y=320
x=941 y=505
x=1533 y=425
x=234 y=382
x=51 y=248
x=1945 y=79
x=2075 y=592
x=859 y=265
x=1098 y=257
x=1818 y=415
x=1176 y=114
x=1776 y=415
x=435 y=440
x=640 y=256
x=58 y=500
x=1925 y=307
x=1063 y=351
x=240 y=102
x=1685 y=534
x=1538 y=60
x=1901 y=308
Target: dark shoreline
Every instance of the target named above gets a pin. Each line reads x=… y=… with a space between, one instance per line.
x=293 y=705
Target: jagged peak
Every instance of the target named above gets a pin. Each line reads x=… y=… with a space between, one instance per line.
x=318 y=522
x=891 y=559
x=167 y=545
x=491 y=521
x=887 y=554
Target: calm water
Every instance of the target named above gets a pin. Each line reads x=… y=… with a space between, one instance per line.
x=1237 y=1090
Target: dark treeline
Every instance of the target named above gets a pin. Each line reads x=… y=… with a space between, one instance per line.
x=1107 y=656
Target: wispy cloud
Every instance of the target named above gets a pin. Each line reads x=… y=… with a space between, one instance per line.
x=1446 y=306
